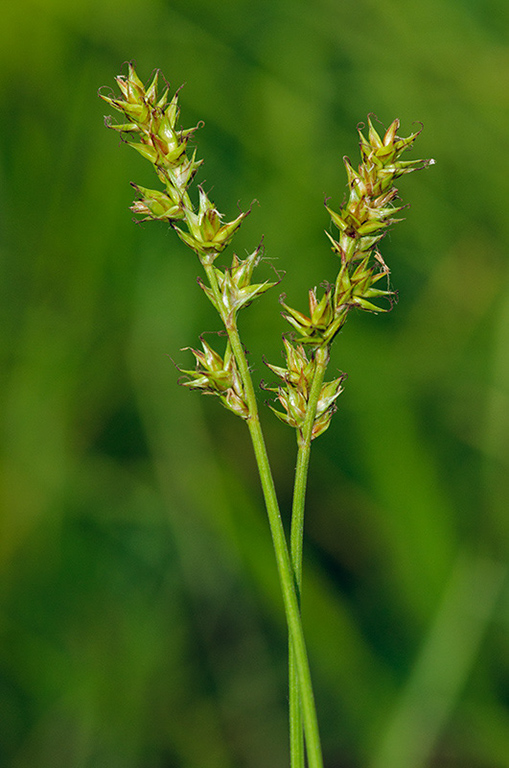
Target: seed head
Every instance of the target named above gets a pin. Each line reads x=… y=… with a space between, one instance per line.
x=235 y=285
x=216 y=375
x=207 y=236
x=294 y=393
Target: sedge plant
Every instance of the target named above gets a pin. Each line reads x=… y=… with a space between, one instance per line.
x=304 y=400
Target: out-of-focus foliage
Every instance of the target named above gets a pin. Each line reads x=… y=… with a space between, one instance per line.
x=140 y=620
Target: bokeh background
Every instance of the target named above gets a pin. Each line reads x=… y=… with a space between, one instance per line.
x=140 y=618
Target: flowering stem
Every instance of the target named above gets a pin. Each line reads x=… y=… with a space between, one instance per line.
x=301 y=472
x=296 y=540
x=152 y=129
x=290 y=598
x=301 y=678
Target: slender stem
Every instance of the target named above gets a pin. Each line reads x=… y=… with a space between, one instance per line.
x=296 y=540
x=301 y=470
x=295 y=708
x=291 y=602
x=295 y=711
x=302 y=675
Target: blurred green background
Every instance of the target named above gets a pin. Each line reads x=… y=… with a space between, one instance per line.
x=140 y=618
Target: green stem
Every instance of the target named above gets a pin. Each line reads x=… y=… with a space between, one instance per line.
x=301 y=471
x=286 y=575
x=296 y=541
x=288 y=587
x=295 y=711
